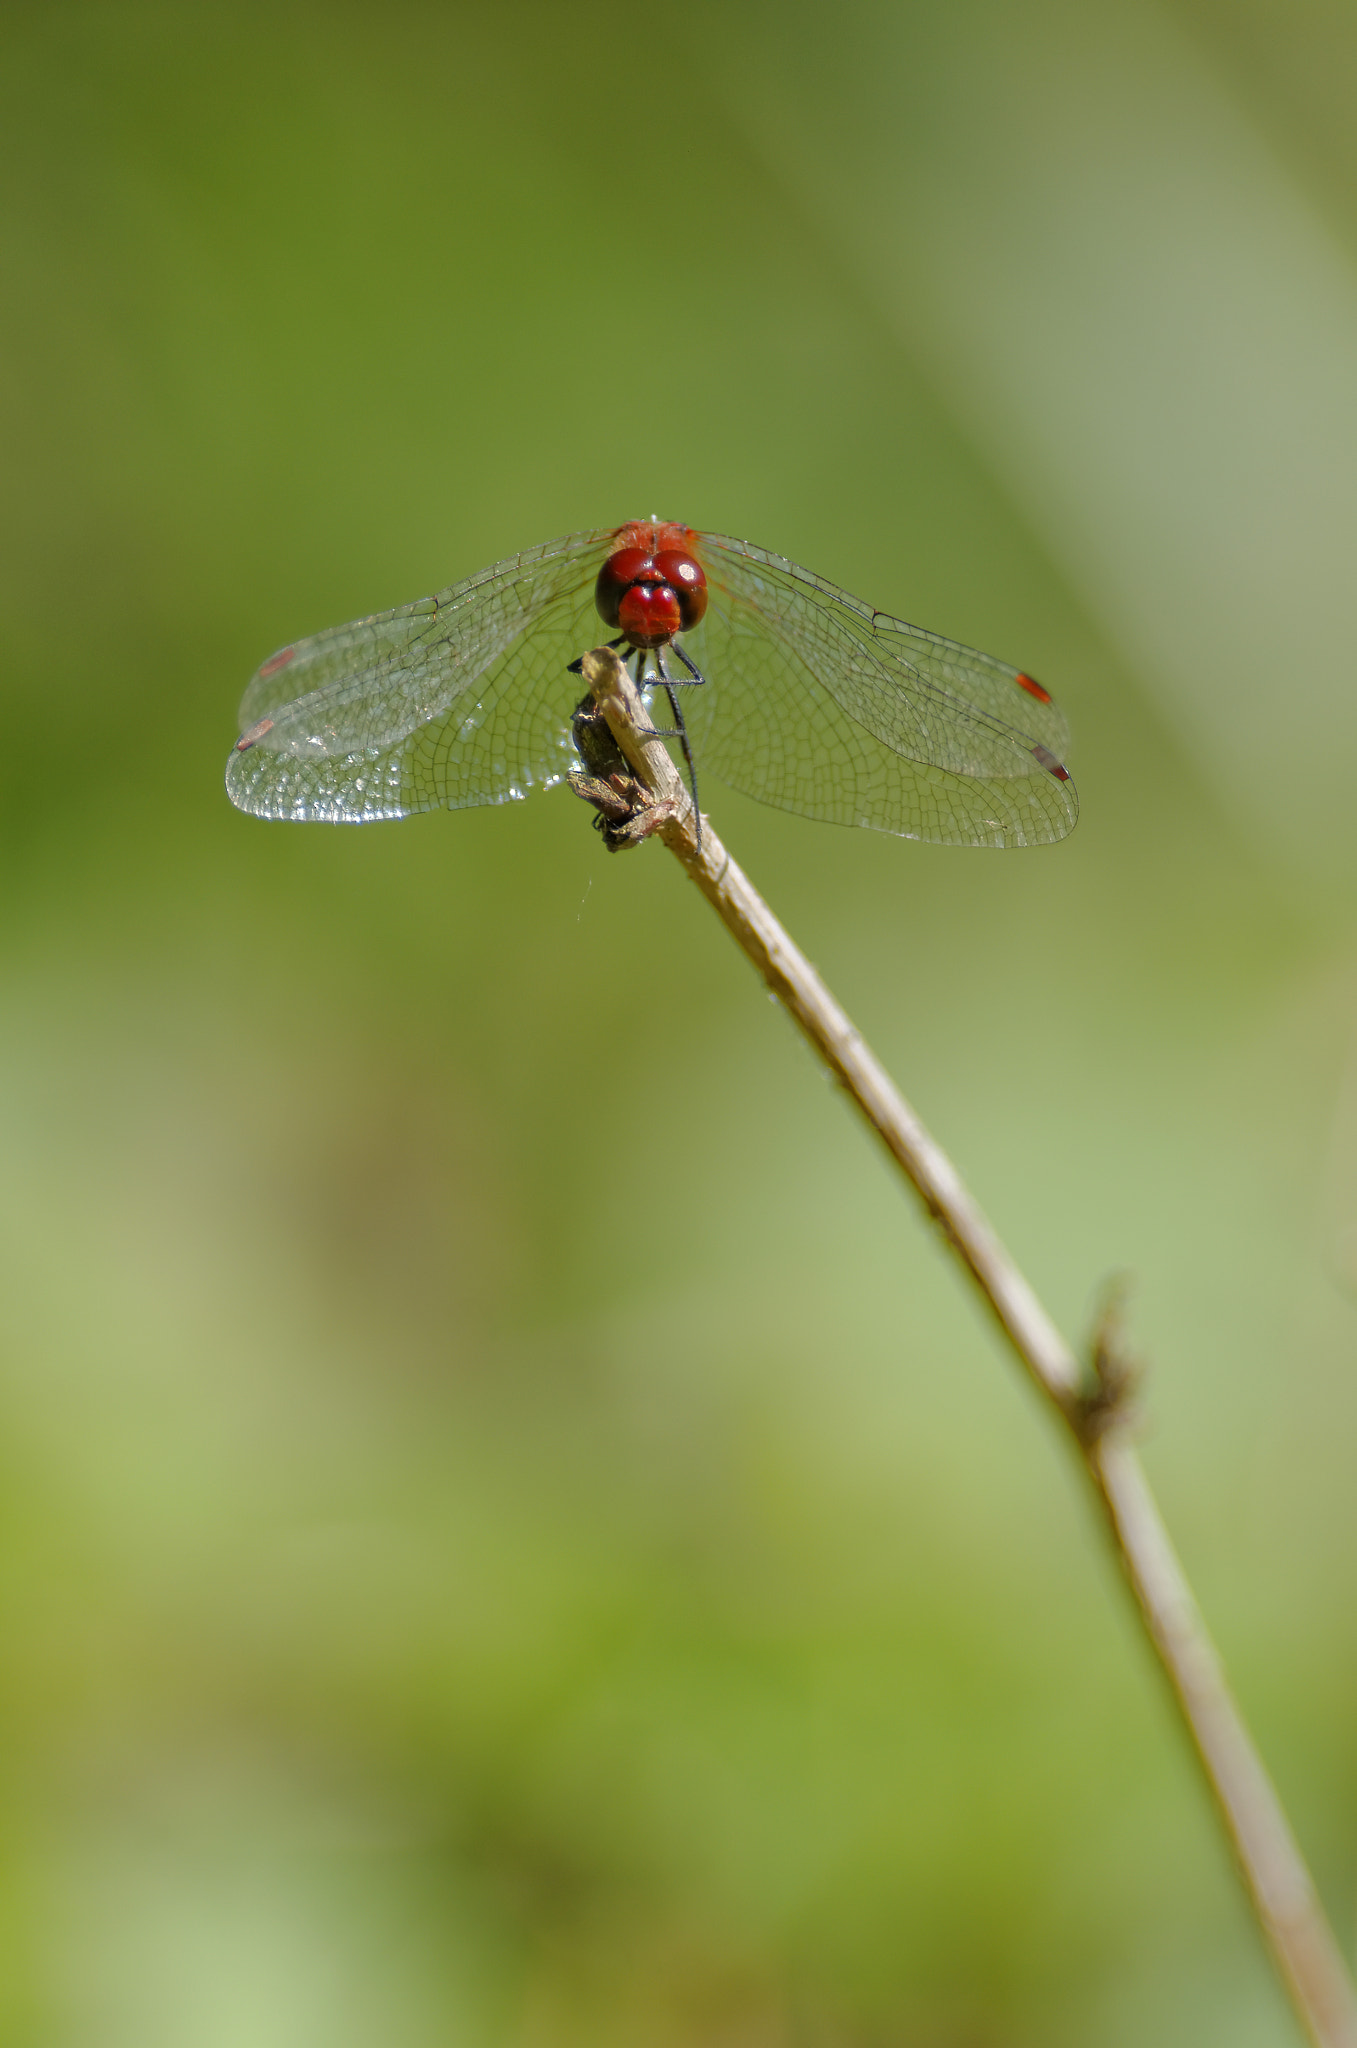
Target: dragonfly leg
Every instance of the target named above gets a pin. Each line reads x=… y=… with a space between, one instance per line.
x=645 y=682
x=694 y=674
x=672 y=683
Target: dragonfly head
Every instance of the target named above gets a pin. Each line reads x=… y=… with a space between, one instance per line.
x=650 y=593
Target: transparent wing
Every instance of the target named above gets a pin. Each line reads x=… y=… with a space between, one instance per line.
x=458 y=699
x=819 y=705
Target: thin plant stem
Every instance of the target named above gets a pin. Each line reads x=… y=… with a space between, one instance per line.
x=649 y=799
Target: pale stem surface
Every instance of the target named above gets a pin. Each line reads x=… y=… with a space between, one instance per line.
x=1279 y=1886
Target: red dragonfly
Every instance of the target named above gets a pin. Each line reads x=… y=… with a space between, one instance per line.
x=795 y=693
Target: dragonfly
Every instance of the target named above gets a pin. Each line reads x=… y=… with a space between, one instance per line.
x=782 y=685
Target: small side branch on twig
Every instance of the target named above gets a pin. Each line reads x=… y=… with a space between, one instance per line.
x=638 y=792
x=1108 y=1400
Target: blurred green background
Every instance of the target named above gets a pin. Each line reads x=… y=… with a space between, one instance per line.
x=477 y=1570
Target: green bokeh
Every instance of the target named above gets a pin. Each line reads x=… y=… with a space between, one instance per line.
x=482 y=1563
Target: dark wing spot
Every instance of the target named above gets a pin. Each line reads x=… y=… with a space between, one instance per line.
x=1033 y=689
x=256 y=732
x=277 y=661
x=1050 y=764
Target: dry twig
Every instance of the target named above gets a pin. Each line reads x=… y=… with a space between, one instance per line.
x=642 y=794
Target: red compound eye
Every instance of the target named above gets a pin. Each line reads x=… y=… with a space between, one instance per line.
x=649 y=614
x=685 y=578
x=616 y=577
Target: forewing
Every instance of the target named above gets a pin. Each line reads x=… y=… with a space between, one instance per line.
x=819 y=705
x=457 y=699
